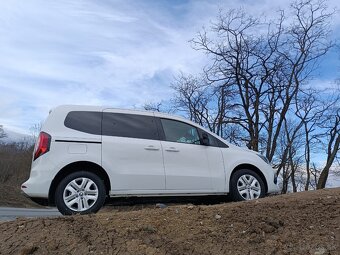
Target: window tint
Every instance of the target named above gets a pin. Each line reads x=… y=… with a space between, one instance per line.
x=176 y=131
x=129 y=125
x=88 y=122
x=216 y=142
x=212 y=140
x=222 y=144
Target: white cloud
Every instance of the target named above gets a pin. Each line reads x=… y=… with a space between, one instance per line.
x=120 y=53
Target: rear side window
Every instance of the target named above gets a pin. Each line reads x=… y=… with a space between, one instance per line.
x=84 y=121
x=130 y=125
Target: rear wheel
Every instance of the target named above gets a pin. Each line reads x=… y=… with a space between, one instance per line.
x=246 y=185
x=80 y=193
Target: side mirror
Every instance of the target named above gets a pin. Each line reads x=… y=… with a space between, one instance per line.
x=205 y=139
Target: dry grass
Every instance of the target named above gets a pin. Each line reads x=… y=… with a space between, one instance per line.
x=15 y=165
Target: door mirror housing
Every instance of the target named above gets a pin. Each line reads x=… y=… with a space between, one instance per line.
x=205 y=139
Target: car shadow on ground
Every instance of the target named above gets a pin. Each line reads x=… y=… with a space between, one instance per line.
x=138 y=203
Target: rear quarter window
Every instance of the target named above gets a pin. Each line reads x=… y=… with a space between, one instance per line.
x=84 y=121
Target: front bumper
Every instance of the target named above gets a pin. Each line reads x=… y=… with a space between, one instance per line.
x=272 y=181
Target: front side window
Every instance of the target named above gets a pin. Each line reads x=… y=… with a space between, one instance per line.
x=176 y=131
x=212 y=140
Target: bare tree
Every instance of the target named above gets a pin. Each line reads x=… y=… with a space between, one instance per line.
x=155 y=107
x=332 y=124
x=310 y=110
x=2 y=132
x=202 y=102
x=254 y=88
x=287 y=156
x=35 y=131
x=265 y=64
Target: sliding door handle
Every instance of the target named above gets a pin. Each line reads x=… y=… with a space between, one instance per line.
x=172 y=149
x=151 y=148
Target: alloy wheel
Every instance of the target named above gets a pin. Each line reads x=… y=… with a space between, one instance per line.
x=80 y=194
x=248 y=187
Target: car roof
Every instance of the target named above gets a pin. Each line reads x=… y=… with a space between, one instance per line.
x=67 y=108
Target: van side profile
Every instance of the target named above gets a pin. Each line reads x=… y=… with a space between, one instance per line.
x=87 y=153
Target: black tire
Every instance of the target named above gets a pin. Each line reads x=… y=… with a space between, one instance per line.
x=99 y=187
x=235 y=195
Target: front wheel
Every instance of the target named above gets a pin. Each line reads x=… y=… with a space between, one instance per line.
x=246 y=185
x=80 y=193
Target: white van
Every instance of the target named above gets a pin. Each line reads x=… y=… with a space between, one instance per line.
x=86 y=153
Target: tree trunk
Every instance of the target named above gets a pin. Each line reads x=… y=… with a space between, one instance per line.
x=325 y=171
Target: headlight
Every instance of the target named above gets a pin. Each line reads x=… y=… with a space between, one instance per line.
x=264 y=158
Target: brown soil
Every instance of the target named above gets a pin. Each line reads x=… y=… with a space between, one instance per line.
x=10 y=196
x=301 y=223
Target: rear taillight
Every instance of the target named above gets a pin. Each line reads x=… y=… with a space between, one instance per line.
x=42 y=145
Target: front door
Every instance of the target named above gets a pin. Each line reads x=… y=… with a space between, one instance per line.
x=185 y=159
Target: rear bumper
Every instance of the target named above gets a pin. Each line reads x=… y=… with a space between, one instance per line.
x=38 y=185
x=37 y=200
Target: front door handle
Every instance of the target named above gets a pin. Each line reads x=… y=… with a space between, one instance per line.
x=172 y=149
x=151 y=148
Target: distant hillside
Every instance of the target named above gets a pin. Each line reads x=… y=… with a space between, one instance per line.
x=12 y=136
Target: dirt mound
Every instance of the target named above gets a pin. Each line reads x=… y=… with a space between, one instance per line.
x=10 y=196
x=302 y=223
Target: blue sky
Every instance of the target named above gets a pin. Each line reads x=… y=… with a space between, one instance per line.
x=117 y=53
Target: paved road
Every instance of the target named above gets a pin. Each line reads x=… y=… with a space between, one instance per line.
x=10 y=213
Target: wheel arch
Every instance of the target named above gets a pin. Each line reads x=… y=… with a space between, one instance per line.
x=75 y=167
x=249 y=167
